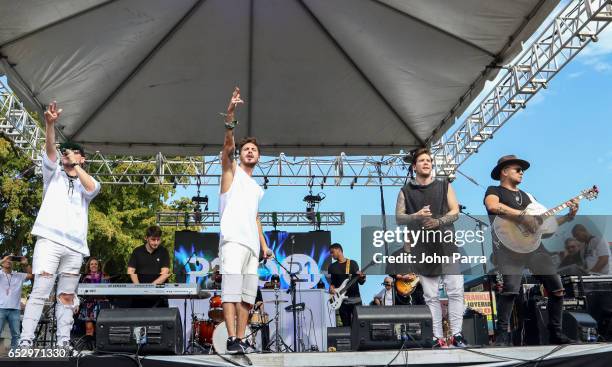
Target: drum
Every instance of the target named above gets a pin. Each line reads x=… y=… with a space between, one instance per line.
x=220 y=337
x=258 y=318
x=215 y=311
x=204 y=331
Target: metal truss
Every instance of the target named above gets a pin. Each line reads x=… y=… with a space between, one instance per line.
x=579 y=23
x=19 y=126
x=271 y=171
x=208 y=219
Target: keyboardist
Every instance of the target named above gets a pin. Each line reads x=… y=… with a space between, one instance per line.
x=150 y=263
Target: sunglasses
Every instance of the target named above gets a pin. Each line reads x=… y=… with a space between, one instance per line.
x=385 y=284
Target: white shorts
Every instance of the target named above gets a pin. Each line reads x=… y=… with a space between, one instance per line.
x=239 y=268
x=53 y=258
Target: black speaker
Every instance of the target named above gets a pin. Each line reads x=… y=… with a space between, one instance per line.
x=339 y=338
x=159 y=330
x=580 y=326
x=390 y=326
x=475 y=328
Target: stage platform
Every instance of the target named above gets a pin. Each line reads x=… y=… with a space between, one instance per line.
x=584 y=355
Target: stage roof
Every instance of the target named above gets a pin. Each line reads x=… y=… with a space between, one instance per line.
x=319 y=77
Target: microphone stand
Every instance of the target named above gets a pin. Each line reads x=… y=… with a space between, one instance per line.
x=185 y=308
x=481 y=226
x=292 y=291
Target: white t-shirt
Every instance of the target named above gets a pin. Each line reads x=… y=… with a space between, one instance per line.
x=595 y=248
x=238 y=208
x=386 y=296
x=63 y=215
x=12 y=283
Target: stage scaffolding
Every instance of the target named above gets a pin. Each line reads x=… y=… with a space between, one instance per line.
x=577 y=25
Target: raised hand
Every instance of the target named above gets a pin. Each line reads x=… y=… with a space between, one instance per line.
x=52 y=113
x=234 y=101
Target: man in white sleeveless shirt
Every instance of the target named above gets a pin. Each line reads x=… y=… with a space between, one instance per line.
x=241 y=235
x=61 y=231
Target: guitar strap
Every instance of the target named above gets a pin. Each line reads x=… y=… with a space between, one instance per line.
x=348 y=266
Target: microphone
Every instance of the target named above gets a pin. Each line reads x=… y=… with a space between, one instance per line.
x=269 y=253
x=462 y=207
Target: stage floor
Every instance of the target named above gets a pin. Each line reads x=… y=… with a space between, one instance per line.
x=591 y=355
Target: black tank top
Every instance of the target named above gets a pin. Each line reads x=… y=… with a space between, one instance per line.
x=435 y=195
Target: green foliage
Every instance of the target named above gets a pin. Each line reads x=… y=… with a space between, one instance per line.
x=20 y=198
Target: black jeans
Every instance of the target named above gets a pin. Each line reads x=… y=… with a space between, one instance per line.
x=511 y=266
x=346 y=313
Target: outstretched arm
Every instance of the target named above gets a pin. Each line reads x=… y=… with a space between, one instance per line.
x=51 y=116
x=228 y=165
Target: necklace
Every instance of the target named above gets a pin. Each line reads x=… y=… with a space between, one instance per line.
x=8 y=280
x=518 y=197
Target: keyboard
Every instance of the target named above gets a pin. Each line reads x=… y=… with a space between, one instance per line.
x=177 y=290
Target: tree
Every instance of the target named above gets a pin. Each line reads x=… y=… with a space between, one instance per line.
x=20 y=198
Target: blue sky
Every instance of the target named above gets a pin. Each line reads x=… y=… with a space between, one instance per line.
x=565 y=132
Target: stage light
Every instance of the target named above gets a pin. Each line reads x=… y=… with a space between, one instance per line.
x=265 y=185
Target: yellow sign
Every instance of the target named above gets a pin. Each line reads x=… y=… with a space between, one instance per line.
x=480 y=302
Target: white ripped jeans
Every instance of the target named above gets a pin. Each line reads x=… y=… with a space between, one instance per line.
x=52 y=259
x=456 y=307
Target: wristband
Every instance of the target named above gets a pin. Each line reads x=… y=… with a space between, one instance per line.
x=231 y=125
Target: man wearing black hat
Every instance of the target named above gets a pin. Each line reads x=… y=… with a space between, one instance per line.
x=508 y=201
x=61 y=231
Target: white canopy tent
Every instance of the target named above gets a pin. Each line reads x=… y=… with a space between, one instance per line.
x=319 y=77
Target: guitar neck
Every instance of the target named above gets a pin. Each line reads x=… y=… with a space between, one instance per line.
x=553 y=211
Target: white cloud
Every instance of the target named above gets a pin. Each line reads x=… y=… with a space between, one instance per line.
x=575 y=75
x=598 y=54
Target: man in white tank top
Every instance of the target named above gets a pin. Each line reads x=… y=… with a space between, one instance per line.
x=241 y=236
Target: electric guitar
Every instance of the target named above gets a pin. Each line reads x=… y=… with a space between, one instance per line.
x=339 y=296
x=516 y=236
x=406 y=287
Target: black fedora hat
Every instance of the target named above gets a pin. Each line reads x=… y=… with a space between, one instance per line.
x=506 y=160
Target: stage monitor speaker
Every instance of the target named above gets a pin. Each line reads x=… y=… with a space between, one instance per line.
x=339 y=338
x=159 y=330
x=580 y=326
x=475 y=328
x=391 y=326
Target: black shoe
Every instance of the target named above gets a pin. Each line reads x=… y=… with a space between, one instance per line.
x=502 y=339
x=234 y=346
x=458 y=341
x=559 y=338
x=247 y=347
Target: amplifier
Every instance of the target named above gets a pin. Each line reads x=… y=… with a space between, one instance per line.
x=391 y=326
x=475 y=328
x=580 y=326
x=157 y=330
x=339 y=338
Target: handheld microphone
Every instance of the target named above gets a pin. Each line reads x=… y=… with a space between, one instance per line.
x=269 y=253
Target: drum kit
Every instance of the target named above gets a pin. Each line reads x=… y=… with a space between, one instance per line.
x=211 y=333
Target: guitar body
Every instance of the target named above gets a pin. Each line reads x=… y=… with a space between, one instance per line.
x=406 y=287
x=335 y=301
x=517 y=238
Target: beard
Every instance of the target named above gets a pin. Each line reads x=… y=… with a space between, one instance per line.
x=248 y=164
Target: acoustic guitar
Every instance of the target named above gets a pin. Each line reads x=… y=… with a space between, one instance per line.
x=517 y=237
